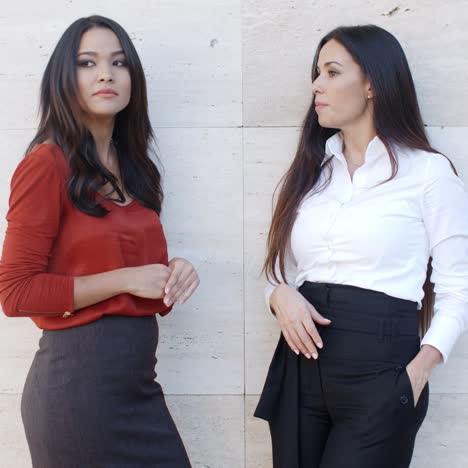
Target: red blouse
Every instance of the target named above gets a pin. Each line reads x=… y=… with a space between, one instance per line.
x=48 y=242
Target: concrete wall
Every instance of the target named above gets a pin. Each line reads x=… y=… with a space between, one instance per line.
x=228 y=85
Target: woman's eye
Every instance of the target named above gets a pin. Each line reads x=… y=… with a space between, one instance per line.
x=86 y=63
x=332 y=72
x=121 y=63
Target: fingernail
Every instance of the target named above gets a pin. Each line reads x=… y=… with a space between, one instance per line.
x=167 y=290
x=296 y=351
x=315 y=355
x=328 y=320
x=320 y=345
x=308 y=356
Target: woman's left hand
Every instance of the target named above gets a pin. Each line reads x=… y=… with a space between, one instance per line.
x=182 y=282
x=420 y=368
x=418 y=379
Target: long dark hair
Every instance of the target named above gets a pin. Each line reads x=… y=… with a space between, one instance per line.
x=61 y=121
x=397 y=120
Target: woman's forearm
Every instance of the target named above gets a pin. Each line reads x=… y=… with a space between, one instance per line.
x=428 y=358
x=91 y=289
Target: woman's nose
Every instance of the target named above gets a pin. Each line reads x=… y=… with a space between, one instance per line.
x=105 y=74
x=316 y=86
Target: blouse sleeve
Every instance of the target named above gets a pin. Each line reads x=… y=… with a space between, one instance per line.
x=26 y=288
x=290 y=270
x=445 y=214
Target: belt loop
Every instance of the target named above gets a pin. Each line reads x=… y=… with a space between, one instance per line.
x=327 y=289
x=390 y=317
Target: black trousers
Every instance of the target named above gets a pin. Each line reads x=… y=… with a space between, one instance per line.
x=355 y=404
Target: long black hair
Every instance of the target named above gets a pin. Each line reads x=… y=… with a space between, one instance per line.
x=397 y=120
x=61 y=121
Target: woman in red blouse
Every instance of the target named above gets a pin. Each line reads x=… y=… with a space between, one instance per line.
x=86 y=258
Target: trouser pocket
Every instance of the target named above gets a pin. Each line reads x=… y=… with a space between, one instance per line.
x=406 y=397
x=392 y=412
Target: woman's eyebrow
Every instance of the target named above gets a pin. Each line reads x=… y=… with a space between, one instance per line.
x=331 y=62
x=94 y=54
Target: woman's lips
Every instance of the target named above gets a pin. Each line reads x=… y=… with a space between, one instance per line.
x=320 y=106
x=106 y=93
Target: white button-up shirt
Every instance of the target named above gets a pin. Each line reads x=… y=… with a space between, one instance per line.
x=380 y=237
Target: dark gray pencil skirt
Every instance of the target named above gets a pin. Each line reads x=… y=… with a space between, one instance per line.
x=91 y=399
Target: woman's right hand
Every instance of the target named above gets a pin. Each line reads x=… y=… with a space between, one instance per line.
x=296 y=317
x=148 y=281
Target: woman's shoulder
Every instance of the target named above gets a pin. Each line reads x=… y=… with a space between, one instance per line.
x=435 y=172
x=47 y=149
x=44 y=160
x=428 y=165
x=439 y=166
x=46 y=154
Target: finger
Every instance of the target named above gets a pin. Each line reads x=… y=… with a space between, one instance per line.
x=316 y=317
x=178 y=288
x=173 y=278
x=181 y=282
x=307 y=340
x=297 y=341
x=291 y=344
x=311 y=329
x=176 y=291
x=190 y=289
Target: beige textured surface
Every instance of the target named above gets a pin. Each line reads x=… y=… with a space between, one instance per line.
x=212 y=428
x=202 y=341
x=280 y=38
x=228 y=84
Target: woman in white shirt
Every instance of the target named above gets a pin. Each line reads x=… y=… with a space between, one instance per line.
x=369 y=237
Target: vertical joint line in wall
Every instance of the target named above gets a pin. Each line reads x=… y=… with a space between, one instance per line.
x=241 y=4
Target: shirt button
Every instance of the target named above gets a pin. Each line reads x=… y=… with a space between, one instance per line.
x=403 y=399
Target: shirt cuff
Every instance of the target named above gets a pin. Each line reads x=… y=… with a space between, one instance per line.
x=51 y=294
x=445 y=329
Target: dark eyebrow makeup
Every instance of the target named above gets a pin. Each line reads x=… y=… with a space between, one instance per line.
x=94 y=54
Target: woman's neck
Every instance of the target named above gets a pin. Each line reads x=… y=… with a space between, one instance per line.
x=102 y=130
x=355 y=142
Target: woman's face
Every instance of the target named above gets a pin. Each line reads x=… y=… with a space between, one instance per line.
x=103 y=77
x=341 y=89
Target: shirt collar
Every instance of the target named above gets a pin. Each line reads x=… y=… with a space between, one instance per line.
x=334 y=147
